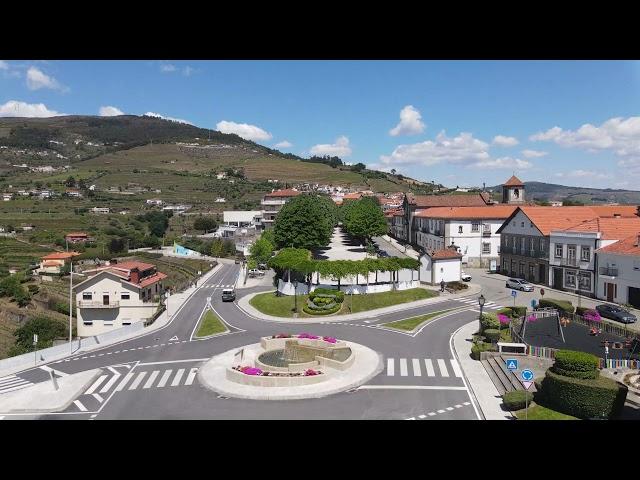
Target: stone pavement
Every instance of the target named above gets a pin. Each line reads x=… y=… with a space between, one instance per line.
x=402 y=250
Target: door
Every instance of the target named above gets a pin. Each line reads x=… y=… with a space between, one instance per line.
x=609 y=292
x=105 y=299
x=542 y=274
x=634 y=296
x=557 y=278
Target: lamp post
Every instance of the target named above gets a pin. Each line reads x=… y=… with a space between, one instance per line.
x=481 y=301
x=71 y=306
x=295 y=298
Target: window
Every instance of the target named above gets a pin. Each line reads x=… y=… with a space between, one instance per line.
x=522 y=269
x=570 y=279
x=126 y=321
x=87 y=296
x=522 y=244
x=531 y=244
x=585 y=254
x=636 y=265
x=460 y=229
x=124 y=296
x=514 y=243
x=486 y=247
x=584 y=281
x=514 y=223
x=475 y=226
x=522 y=224
x=558 y=250
x=531 y=224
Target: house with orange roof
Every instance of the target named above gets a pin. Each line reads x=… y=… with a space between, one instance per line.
x=77 y=237
x=619 y=271
x=273 y=202
x=53 y=263
x=440 y=264
x=117 y=295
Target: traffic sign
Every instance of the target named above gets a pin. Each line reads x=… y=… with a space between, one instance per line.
x=527 y=385
x=512 y=364
x=513 y=293
x=533 y=303
x=35 y=338
x=542 y=292
x=527 y=375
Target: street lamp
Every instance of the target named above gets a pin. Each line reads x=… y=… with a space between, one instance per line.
x=481 y=301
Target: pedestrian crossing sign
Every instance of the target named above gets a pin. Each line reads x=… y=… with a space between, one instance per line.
x=512 y=364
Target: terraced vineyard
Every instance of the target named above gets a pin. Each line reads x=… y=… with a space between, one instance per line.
x=15 y=254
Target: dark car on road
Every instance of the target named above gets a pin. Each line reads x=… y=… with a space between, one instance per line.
x=616 y=313
x=382 y=254
x=228 y=295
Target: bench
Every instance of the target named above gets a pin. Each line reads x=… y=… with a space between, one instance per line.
x=516 y=348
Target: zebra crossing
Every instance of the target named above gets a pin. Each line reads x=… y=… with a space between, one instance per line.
x=11 y=383
x=420 y=367
x=473 y=302
x=231 y=285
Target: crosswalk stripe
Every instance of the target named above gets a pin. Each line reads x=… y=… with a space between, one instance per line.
x=191 y=376
x=151 y=379
x=164 y=379
x=390 y=367
x=110 y=383
x=80 y=406
x=137 y=381
x=98 y=398
x=177 y=378
x=443 y=368
x=13 y=382
x=403 y=367
x=124 y=381
x=17 y=387
x=416 y=367
x=456 y=367
x=96 y=384
x=429 y=365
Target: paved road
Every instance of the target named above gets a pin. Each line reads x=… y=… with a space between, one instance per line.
x=154 y=376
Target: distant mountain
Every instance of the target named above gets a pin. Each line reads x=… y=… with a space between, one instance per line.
x=551 y=191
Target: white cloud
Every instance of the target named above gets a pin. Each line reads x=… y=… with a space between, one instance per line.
x=167 y=67
x=340 y=148
x=187 y=71
x=533 y=153
x=14 y=108
x=4 y=65
x=584 y=174
x=502 y=141
x=244 y=130
x=410 y=122
x=36 y=80
x=110 y=111
x=504 y=162
x=284 y=144
x=157 y=115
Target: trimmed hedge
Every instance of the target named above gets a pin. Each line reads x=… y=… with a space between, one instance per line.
x=602 y=397
x=337 y=307
x=492 y=335
x=339 y=294
x=489 y=321
x=518 y=311
x=456 y=286
x=576 y=364
x=477 y=348
x=517 y=400
x=562 y=305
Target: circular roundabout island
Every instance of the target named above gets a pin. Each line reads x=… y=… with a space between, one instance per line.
x=288 y=367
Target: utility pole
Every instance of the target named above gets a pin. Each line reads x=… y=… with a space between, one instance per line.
x=71 y=307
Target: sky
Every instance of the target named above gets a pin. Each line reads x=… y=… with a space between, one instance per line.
x=453 y=122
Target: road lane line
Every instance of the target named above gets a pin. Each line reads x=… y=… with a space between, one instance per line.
x=151 y=379
x=403 y=367
x=191 y=376
x=408 y=387
x=456 y=367
x=416 y=367
x=429 y=366
x=124 y=381
x=177 y=378
x=80 y=406
x=113 y=370
x=137 y=381
x=96 y=384
x=175 y=361
x=443 y=368
x=165 y=378
x=390 y=367
x=110 y=383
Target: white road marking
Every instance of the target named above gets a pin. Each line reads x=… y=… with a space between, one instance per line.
x=403 y=367
x=175 y=361
x=431 y=414
x=92 y=356
x=113 y=370
x=1 y=417
x=443 y=368
x=96 y=384
x=16 y=387
x=177 y=378
x=440 y=411
x=124 y=381
x=175 y=337
x=458 y=406
x=467 y=403
x=164 y=379
x=421 y=416
x=98 y=398
x=117 y=351
x=148 y=346
x=191 y=376
x=416 y=367
x=409 y=387
x=110 y=383
x=151 y=379
x=137 y=381
x=449 y=408
x=456 y=367
x=80 y=406
x=390 y=367
x=429 y=365
x=94 y=416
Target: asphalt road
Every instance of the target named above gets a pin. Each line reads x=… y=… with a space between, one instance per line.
x=154 y=376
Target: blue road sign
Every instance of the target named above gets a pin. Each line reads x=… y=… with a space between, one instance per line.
x=512 y=363
x=533 y=303
x=527 y=375
x=513 y=293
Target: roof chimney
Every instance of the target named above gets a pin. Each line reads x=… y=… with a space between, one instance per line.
x=134 y=275
x=638 y=211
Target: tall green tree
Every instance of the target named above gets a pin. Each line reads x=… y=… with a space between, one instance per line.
x=217 y=248
x=261 y=250
x=364 y=219
x=303 y=222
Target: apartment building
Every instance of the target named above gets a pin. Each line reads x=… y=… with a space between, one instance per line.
x=619 y=271
x=273 y=202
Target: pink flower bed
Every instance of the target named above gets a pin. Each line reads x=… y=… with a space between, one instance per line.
x=531 y=318
x=592 y=315
x=310 y=372
x=503 y=319
x=308 y=335
x=329 y=339
x=250 y=371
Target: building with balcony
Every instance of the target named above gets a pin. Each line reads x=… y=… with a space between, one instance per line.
x=117 y=295
x=619 y=271
x=273 y=202
x=234 y=220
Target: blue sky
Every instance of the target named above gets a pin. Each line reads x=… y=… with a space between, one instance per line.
x=455 y=122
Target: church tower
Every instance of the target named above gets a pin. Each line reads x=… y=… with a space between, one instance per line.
x=513 y=191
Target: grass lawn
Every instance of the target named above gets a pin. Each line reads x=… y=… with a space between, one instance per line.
x=210 y=325
x=282 y=306
x=362 y=303
x=538 y=412
x=412 y=323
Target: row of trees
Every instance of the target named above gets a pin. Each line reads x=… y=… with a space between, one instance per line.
x=306 y=221
x=299 y=260
x=363 y=218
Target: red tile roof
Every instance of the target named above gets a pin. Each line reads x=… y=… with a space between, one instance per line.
x=77 y=234
x=473 y=200
x=352 y=196
x=611 y=228
x=133 y=264
x=152 y=279
x=626 y=246
x=288 y=192
x=513 y=182
x=123 y=270
x=493 y=211
x=444 y=254
x=60 y=255
x=612 y=210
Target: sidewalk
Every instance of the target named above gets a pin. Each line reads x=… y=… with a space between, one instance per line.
x=244 y=305
x=482 y=388
x=407 y=251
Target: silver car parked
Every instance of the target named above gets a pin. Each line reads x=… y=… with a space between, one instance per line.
x=519 y=284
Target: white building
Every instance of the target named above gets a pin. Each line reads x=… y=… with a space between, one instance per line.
x=154 y=201
x=102 y=210
x=117 y=295
x=7 y=196
x=177 y=208
x=443 y=264
x=471 y=229
x=273 y=202
x=239 y=219
x=221 y=200
x=619 y=271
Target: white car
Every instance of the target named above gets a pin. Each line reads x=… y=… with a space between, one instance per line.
x=465 y=277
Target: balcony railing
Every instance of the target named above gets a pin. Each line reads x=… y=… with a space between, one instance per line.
x=609 y=271
x=98 y=304
x=571 y=262
x=486 y=233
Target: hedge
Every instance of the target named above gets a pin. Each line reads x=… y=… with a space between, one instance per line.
x=492 y=335
x=602 y=397
x=562 y=305
x=489 y=321
x=517 y=400
x=321 y=312
x=477 y=348
x=339 y=294
x=576 y=364
x=457 y=286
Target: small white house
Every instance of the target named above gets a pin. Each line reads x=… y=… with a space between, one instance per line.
x=100 y=210
x=444 y=264
x=220 y=200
